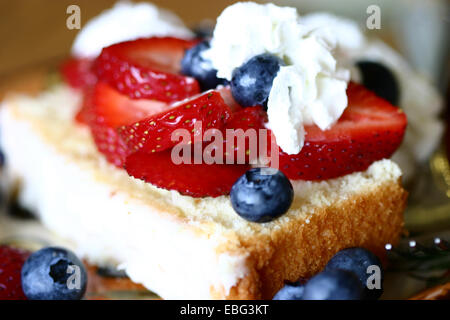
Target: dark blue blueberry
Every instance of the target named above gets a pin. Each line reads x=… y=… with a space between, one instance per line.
x=111 y=272
x=379 y=79
x=194 y=65
x=54 y=274
x=290 y=291
x=261 y=195
x=204 y=30
x=251 y=83
x=333 y=285
x=358 y=260
x=2 y=158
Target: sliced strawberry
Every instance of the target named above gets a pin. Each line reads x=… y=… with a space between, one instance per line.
x=85 y=114
x=155 y=133
x=195 y=180
x=78 y=72
x=147 y=68
x=109 y=110
x=369 y=130
x=11 y=262
x=228 y=98
x=252 y=118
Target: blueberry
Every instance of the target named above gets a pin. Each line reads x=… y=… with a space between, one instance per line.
x=204 y=30
x=379 y=79
x=358 y=260
x=261 y=195
x=195 y=65
x=111 y=272
x=290 y=291
x=333 y=285
x=251 y=83
x=54 y=274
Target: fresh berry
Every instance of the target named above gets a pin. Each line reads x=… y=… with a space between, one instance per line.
x=225 y=92
x=251 y=83
x=86 y=112
x=2 y=158
x=379 y=79
x=358 y=260
x=147 y=68
x=155 y=133
x=54 y=274
x=11 y=262
x=369 y=130
x=111 y=272
x=262 y=194
x=204 y=30
x=290 y=291
x=78 y=72
x=251 y=118
x=333 y=285
x=196 y=180
x=195 y=65
x=110 y=110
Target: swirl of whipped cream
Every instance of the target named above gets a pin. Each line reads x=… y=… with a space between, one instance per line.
x=308 y=89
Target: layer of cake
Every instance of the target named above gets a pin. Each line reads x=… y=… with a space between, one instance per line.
x=178 y=246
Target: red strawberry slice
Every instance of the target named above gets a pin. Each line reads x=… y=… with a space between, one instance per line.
x=78 y=72
x=369 y=130
x=195 y=180
x=228 y=98
x=155 y=133
x=147 y=68
x=11 y=262
x=252 y=118
x=85 y=114
x=107 y=110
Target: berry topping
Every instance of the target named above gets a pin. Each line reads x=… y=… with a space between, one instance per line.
x=358 y=261
x=78 y=73
x=154 y=133
x=251 y=83
x=245 y=119
x=194 y=65
x=196 y=180
x=379 y=79
x=333 y=285
x=262 y=194
x=11 y=262
x=290 y=291
x=147 y=68
x=110 y=110
x=369 y=130
x=2 y=158
x=54 y=274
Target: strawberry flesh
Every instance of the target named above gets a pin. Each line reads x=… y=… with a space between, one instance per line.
x=11 y=262
x=195 y=180
x=147 y=68
x=244 y=119
x=155 y=133
x=369 y=130
x=107 y=110
x=78 y=72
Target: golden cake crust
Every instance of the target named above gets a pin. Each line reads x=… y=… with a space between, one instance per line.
x=301 y=249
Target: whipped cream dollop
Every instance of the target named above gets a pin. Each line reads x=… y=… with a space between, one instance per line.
x=126 y=21
x=309 y=89
x=418 y=98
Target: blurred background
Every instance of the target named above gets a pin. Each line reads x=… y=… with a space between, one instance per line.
x=34 y=32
